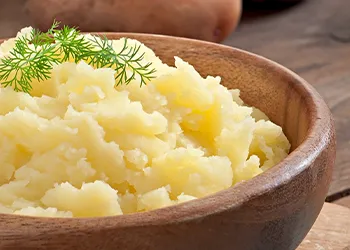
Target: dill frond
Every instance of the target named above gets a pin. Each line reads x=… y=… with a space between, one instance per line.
x=126 y=58
x=71 y=44
x=33 y=57
x=26 y=63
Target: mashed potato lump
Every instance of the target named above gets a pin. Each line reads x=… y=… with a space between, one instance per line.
x=79 y=146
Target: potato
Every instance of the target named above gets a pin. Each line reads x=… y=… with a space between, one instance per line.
x=154 y=199
x=92 y=199
x=38 y=211
x=186 y=170
x=77 y=146
x=211 y=20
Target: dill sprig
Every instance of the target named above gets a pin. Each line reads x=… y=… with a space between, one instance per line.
x=26 y=63
x=71 y=44
x=126 y=58
x=34 y=56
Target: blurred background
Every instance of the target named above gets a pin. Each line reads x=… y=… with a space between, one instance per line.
x=212 y=20
x=310 y=37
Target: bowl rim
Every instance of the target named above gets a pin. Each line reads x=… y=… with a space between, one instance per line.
x=317 y=138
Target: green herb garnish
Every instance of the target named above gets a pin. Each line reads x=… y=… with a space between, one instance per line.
x=34 y=56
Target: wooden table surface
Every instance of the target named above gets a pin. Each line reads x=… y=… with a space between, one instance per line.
x=331 y=230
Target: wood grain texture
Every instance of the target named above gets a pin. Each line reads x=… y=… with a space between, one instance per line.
x=275 y=210
x=313 y=39
x=331 y=230
x=345 y=201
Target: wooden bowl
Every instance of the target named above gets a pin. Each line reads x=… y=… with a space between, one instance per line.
x=275 y=210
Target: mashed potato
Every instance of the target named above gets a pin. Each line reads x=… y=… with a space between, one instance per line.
x=77 y=146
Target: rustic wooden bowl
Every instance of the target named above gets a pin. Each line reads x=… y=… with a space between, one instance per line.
x=275 y=210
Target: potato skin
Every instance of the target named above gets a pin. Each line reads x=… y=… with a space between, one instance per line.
x=210 y=20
